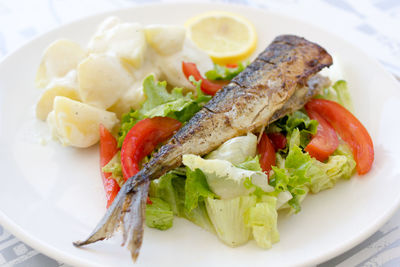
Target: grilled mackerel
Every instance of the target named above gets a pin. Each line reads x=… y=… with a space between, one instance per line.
x=270 y=87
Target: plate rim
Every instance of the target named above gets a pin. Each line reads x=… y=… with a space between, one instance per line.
x=67 y=258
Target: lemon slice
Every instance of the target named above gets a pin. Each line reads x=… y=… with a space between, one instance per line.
x=225 y=37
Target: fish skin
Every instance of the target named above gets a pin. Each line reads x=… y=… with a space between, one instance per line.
x=247 y=103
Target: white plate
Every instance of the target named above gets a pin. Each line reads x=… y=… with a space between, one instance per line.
x=51 y=195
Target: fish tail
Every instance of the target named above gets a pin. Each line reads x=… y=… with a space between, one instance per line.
x=128 y=210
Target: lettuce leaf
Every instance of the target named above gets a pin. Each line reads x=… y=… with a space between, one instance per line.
x=297 y=163
x=328 y=93
x=236 y=220
x=343 y=94
x=280 y=161
x=301 y=173
x=338 y=92
x=224 y=73
x=170 y=109
x=166 y=188
x=301 y=121
x=282 y=199
x=236 y=150
x=156 y=93
x=251 y=164
x=197 y=215
x=233 y=169
x=344 y=150
x=159 y=214
x=325 y=175
x=297 y=121
x=293 y=177
x=226 y=180
x=160 y=102
x=228 y=218
x=171 y=188
x=196 y=189
x=263 y=220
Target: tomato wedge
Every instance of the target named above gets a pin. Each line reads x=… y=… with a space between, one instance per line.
x=208 y=87
x=350 y=130
x=142 y=139
x=108 y=149
x=267 y=151
x=325 y=141
x=278 y=140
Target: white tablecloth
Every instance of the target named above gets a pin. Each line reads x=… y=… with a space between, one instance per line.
x=372 y=25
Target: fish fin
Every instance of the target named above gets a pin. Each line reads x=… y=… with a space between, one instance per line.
x=133 y=219
x=129 y=208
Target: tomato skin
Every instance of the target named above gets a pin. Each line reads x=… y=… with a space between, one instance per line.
x=142 y=139
x=278 y=140
x=108 y=149
x=208 y=87
x=325 y=141
x=267 y=151
x=350 y=130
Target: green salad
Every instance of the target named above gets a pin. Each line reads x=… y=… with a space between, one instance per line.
x=226 y=192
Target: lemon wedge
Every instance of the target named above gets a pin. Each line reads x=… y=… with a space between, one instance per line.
x=226 y=37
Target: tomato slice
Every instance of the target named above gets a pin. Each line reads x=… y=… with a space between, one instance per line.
x=278 y=140
x=267 y=151
x=208 y=87
x=142 y=139
x=325 y=141
x=231 y=65
x=108 y=149
x=350 y=130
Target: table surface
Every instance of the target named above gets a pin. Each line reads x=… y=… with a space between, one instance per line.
x=372 y=25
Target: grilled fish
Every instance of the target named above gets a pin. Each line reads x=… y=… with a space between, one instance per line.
x=270 y=87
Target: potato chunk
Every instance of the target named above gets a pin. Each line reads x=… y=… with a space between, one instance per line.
x=165 y=39
x=66 y=86
x=125 y=40
x=102 y=80
x=59 y=58
x=77 y=124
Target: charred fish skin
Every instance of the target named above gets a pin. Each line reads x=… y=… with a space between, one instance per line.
x=247 y=103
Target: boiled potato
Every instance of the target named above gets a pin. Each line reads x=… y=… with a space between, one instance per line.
x=77 y=124
x=125 y=40
x=134 y=96
x=66 y=86
x=98 y=43
x=102 y=80
x=171 y=66
x=132 y=99
x=165 y=39
x=59 y=58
